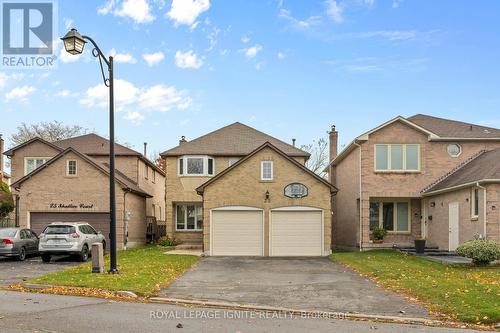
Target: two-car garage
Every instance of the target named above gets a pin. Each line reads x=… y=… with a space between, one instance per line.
x=287 y=231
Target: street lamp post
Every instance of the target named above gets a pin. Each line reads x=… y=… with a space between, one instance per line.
x=74 y=44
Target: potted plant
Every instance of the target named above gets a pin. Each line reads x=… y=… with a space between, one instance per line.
x=378 y=235
x=419 y=245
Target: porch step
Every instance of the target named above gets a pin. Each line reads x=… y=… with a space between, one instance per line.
x=431 y=251
x=189 y=246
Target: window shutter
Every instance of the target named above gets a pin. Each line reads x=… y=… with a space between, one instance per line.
x=181 y=166
x=210 y=166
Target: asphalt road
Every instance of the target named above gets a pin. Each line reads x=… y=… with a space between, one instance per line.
x=26 y=312
x=12 y=271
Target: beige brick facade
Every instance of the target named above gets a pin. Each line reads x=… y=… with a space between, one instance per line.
x=242 y=187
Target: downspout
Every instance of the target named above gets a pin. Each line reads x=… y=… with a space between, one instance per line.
x=125 y=221
x=484 y=207
x=360 y=202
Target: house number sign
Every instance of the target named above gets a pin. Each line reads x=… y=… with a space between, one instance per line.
x=296 y=190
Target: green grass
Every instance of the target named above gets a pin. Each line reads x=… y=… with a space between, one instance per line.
x=143 y=270
x=465 y=293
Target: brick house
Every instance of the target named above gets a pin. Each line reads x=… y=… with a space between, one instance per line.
x=67 y=181
x=238 y=191
x=417 y=176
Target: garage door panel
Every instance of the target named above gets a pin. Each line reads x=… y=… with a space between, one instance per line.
x=99 y=221
x=296 y=233
x=237 y=233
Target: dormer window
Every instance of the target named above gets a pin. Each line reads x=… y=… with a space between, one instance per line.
x=196 y=166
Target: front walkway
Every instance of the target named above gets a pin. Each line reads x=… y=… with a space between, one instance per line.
x=294 y=283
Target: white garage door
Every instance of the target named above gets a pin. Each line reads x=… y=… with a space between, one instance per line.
x=237 y=233
x=296 y=233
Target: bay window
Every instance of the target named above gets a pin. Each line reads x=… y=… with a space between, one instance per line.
x=393 y=216
x=189 y=217
x=196 y=166
x=397 y=157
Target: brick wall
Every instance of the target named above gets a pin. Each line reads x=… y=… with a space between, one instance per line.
x=35 y=149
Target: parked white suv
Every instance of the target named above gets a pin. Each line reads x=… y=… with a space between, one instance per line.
x=70 y=238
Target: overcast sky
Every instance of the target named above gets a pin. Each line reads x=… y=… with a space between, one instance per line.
x=288 y=68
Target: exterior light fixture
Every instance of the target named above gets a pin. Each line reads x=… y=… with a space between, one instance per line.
x=73 y=42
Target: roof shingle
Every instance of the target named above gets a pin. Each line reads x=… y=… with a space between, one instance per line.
x=454 y=129
x=233 y=140
x=93 y=144
x=485 y=166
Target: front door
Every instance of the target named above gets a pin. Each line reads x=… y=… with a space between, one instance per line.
x=453 y=226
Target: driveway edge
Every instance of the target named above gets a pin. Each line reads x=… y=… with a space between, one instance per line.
x=311 y=313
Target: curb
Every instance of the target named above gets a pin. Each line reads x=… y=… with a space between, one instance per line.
x=325 y=314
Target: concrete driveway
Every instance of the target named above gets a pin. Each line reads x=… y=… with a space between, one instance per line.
x=12 y=271
x=295 y=283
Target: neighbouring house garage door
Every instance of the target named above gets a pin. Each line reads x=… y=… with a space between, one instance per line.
x=237 y=233
x=100 y=221
x=296 y=233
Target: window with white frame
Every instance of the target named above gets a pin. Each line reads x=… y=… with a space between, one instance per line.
x=71 y=168
x=266 y=170
x=233 y=160
x=189 y=217
x=475 y=203
x=31 y=163
x=196 y=166
x=397 y=157
x=391 y=215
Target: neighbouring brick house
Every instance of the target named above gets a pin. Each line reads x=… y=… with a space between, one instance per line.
x=238 y=191
x=68 y=180
x=417 y=176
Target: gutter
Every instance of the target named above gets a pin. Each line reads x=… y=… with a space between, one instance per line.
x=485 y=219
x=457 y=187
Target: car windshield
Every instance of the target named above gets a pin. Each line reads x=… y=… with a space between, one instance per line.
x=8 y=232
x=59 y=230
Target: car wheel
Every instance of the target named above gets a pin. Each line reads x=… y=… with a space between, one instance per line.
x=46 y=258
x=103 y=248
x=22 y=254
x=84 y=255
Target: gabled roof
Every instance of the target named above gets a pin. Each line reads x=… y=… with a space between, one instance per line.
x=202 y=187
x=127 y=183
x=233 y=140
x=437 y=129
x=446 y=128
x=89 y=144
x=11 y=151
x=483 y=168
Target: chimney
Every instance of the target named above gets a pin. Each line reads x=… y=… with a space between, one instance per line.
x=1 y=157
x=293 y=142
x=145 y=149
x=333 y=134
x=182 y=140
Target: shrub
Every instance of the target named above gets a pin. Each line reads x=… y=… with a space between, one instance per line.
x=6 y=201
x=167 y=241
x=379 y=233
x=481 y=251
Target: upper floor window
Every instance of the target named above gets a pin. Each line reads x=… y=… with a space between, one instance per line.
x=196 y=166
x=154 y=176
x=475 y=203
x=266 y=170
x=146 y=172
x=397 y=157
x=454 y=150
x=31 y=163
x=71 y=168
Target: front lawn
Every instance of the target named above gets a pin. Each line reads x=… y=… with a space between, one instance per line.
x=143 y=270
x=465 y=293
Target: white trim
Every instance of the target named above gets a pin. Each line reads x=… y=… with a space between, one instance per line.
x=365 y=135
x=205 y=159
x=262 y=170
x=235 y=208
x=463 y=139
x=298 y=209
x=67 y=168
x=45 y=160
x=473 y=206
x=404 y=147
x=454 y=144
x=395 y=202
x=185 y=220
x=457 y=187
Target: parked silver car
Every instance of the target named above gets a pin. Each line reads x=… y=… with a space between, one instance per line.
x=68 y=238
x=18 y=243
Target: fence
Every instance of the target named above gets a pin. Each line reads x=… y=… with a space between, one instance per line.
x=7 y=223
x=155 y=229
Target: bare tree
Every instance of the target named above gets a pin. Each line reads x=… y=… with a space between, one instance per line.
x=157 y=160
x=49 y=131
x=319 y=156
